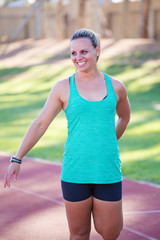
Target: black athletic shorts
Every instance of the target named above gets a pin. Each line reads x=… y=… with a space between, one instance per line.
x=75 y=192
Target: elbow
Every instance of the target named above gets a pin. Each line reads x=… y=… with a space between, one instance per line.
x=125 y=120
x=128 y=119
x=40 y=124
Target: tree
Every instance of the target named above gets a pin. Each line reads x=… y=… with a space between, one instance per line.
x=59 y=20
x=144 y=18
x=82 y=8
x=125 y=18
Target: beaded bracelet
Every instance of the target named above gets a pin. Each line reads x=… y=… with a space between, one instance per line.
x=13 y=159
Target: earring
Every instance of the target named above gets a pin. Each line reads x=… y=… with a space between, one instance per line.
x=97 y=55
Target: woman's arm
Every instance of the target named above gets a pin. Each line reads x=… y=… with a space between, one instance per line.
x=122 y=109
x=39 y=126
x=51 y=108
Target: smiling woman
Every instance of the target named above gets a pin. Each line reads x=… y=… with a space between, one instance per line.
x=91 y=171
x=83 y=57
x=89 y=35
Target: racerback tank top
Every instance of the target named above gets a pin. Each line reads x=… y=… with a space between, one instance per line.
x=91 y=150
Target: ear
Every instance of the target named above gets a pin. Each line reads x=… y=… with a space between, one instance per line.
x=98 y=50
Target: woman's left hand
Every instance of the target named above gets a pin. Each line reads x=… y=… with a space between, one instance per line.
x=12 y=171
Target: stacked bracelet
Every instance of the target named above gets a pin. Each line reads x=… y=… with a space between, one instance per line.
x=13 y=159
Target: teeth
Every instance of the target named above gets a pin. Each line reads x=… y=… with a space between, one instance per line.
x=81 y=63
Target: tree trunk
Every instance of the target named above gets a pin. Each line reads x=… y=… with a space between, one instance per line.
x=144 y=17
x=39 y=19
x=105 y=20
x=82 y=9
x=59 y=20
x=125 y=18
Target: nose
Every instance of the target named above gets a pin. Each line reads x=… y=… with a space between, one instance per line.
x=79 y=56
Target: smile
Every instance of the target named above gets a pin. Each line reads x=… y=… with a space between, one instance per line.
x=81 y=63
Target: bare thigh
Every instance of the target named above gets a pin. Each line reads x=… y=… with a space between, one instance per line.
x=79 y=218
x=108 y=218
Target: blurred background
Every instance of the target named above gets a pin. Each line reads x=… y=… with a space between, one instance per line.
x=21 y=19
x=34 y=54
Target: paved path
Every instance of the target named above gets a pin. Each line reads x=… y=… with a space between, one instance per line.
x=32 y=52
x=33 y=208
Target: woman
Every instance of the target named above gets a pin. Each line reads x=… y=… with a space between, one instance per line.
x=91 y=173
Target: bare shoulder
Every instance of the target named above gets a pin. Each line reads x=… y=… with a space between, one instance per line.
x=119 y=88
x=61 y=87
x=61 y=84
x=60 y=91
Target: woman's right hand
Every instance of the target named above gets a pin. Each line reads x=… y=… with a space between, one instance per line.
x=12 y=171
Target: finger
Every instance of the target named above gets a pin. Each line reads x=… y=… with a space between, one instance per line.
x=10 y=177
x=5 y=181
x=6 y=184
x=9 y=180
x=15 y=176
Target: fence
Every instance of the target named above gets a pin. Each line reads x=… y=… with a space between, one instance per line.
x=107 y=19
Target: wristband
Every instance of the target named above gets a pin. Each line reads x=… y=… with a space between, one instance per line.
x=13 y=159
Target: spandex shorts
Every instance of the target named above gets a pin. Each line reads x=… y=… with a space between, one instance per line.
x=75 y=192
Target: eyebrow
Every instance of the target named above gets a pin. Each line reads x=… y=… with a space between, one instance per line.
x=85 y=49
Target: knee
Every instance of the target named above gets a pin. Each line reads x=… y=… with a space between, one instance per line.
x=82 y=234
x=111 y=233
x=79 y=236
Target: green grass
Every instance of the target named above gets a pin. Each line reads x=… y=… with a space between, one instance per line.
x=23 y=92
x=140 y=145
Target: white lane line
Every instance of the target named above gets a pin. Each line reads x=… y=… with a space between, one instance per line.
x=150 y=184
x=40 y=160
x=142 y=212
x=58 y=163
x=39 y=195
x=61 y=203
x=139 y=233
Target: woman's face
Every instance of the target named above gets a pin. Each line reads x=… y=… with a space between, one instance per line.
x=83 y=54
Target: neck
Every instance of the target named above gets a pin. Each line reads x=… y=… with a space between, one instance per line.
x=88 y=76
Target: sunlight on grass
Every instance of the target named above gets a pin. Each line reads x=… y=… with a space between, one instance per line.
x=140 y=145
x=136 y=117
x=142 y=154
x=143 y=84
x=146 y=128
x=25 y=90
x=142 y=164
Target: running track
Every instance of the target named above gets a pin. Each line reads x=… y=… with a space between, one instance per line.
x=33 y=208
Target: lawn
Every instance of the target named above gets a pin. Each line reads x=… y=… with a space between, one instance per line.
x=23 y=92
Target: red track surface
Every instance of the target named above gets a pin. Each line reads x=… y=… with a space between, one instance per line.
x=33 y=208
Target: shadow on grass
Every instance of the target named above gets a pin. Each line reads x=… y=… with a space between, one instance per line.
x=146 y=169
x=57 y=57
x=53 y=152
x=29 y=109
x=16 y=51
x=6 y=74
x=135 y=142
x=123 y=63
x=140 y=101
x=22 y=105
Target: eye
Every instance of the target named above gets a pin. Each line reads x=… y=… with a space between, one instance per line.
x=84 y=51
x=73 y=53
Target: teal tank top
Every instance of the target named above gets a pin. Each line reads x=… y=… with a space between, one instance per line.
x=91 y=150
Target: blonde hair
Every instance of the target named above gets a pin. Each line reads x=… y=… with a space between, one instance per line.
x=87 y=33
